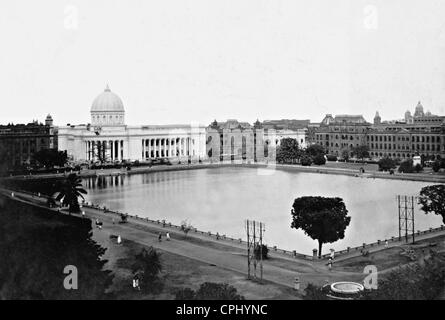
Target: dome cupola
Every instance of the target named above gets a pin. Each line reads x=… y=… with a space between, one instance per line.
x=107 y=109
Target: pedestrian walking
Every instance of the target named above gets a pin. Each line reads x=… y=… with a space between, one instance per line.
x=332 y=254
x=160 y=237
x=167 y=236
x=330 y=264
x=119 y=239
x=83 y=214
x=386 y=243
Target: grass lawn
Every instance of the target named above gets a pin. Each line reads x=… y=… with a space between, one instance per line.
x=179 y=272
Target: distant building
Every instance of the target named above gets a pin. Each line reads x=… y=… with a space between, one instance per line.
x=242 y=142
x=20 y=141
x=422 y=134
x=235 y=141
x=109 y=139
x=342 y=132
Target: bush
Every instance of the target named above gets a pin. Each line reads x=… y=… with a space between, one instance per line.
x=263 y=252
x=436 y=166
x=319 y=160
x=313 y=292
x=406 y=166
x=306 y=161
x=420 y=281
x=418 y=167
x=386 y=164
x=210 y=291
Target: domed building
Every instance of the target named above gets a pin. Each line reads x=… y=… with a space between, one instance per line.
x=107 y=109
x=108 y=139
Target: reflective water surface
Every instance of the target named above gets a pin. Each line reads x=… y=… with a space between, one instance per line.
x=220 y=199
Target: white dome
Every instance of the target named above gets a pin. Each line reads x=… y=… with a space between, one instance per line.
x=107 y=101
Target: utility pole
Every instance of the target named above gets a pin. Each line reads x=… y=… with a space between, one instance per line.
x=255 y=232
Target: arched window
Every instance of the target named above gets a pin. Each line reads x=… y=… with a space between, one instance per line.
x=266 y=149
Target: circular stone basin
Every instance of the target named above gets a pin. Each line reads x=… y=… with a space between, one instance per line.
x=347 y=287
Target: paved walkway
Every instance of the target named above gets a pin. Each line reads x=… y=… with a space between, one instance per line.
x=282 y=273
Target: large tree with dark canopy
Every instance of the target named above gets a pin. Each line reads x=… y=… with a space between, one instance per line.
x=361 y=152
x=322 y=219
x=432 y=199
x=315 y=150
x=50 y=158
x=288 y=151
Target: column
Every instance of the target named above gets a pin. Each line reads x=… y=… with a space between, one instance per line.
x=143 y=150
x=149 y=148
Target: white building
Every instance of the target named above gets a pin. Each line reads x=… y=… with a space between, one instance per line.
x=109 y=139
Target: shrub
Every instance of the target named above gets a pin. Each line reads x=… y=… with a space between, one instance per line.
x=210 y=291
x=147 y=267
x=420 y=281
x=313 y=292
x=436 y=166
x=263 y=252
x=319 y=160
x=418 y=167
x=306 y=161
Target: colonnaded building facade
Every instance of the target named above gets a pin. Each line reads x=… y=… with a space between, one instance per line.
x=108 y=139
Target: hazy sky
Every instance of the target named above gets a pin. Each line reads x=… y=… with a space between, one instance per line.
x=194 y=61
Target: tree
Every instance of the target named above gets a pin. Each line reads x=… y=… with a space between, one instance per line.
x=361 y=152
x=319 y=160
x=345 y=152
x=432 y=199
x=315 y=150
x=186 y=227
x=35 y=248
x=386 y=164
x=436 y=166
x=50 y=158
x=322 y=219
x=288 y=151
x=146 y=268
x=406 y=166
x=69 y=192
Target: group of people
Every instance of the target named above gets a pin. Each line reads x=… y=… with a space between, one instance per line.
x=167 y=236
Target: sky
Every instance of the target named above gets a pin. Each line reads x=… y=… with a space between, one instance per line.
x=189 y=61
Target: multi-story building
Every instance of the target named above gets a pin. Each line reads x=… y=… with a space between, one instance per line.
x=422 y=134
x=19 y=142
x=342 y=132
x=242 y=142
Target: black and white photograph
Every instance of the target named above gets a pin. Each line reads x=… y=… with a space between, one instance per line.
x=240 y=151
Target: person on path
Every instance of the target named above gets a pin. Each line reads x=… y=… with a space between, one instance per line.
x=167 y=236
x=160 y=237
x=119 y=239
x=330 y=264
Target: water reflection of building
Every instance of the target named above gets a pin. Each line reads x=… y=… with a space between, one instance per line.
x=421 y=134
x=108 y=138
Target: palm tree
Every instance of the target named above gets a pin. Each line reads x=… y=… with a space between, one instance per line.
x=147 y=268
x=69 y=192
